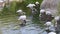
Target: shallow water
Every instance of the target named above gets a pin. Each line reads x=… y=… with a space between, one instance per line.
x=11 y=26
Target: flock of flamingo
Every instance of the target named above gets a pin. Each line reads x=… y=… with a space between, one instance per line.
x=46 y=15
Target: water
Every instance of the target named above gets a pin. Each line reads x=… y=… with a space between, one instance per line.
x=11 y=26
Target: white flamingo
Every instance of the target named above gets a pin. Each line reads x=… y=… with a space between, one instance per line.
x=50 y=27
x=33 y=10
x=42 y=15
x=22 y=17
x=57 y=24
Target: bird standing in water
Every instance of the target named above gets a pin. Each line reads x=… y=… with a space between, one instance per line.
x=22 y=17
x=57 y=24
x=42 y=15
x=37 y=6
x=50 y=28
x=33 y=9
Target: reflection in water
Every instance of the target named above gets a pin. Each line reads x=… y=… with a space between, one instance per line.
x=10 y=26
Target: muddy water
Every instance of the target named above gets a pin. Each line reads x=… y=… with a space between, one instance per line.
x=11 y=25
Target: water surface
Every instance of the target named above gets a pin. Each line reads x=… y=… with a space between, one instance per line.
x=11 y=25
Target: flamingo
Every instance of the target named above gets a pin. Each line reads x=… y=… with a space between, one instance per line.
x=49 y=27
x=22 y=17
